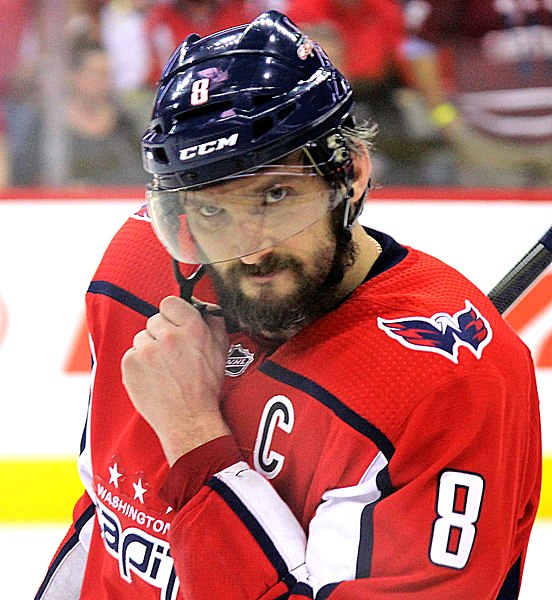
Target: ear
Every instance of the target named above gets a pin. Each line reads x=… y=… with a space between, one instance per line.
x=362 y=169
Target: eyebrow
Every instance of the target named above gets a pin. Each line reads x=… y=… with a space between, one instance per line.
x=269 y=180
x=273 y=178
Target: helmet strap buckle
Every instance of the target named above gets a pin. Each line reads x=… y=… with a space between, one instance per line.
x=187 y=285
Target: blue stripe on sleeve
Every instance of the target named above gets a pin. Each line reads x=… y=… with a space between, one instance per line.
x=105 y=288
x=254 y=527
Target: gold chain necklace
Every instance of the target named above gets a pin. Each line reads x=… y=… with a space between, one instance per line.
x=376 y=245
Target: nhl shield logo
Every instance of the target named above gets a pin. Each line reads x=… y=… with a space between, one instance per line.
x=239 y=358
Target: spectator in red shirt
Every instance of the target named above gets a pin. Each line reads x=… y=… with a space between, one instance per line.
x=372 y=32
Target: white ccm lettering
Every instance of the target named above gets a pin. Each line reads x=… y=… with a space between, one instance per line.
x=208 y=147
x=278 y=412
x=138 y=552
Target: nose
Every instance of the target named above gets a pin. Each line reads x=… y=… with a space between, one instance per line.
x=253 y=232
x=257 y=257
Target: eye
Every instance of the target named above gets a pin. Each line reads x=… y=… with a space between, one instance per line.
x=276 y=194
x=210 y=211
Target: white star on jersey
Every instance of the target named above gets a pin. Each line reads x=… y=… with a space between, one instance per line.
x=139 y=491
x=114 y=475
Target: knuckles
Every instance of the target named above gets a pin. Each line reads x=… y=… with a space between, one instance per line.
x=175 y=309
x=175 y=313
x=174 y=335
x=141 y=338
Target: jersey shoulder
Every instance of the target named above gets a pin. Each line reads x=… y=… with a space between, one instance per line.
x=135 y=263
x=415 y=327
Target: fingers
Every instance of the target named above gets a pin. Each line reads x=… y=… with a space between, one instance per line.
x=173 y=312
x=176 y=316
x=141 y=339
x=176 y=310
x=161 y=324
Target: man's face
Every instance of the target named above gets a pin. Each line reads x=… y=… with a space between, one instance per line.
x=242 y=215
x=272 y=242
x=251 y=213
x=279 y=290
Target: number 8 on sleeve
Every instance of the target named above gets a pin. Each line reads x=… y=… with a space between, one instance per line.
x=459 y=498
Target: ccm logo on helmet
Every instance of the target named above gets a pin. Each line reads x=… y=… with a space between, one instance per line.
x=208 y=147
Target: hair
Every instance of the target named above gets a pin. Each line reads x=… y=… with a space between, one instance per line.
x=361 y=135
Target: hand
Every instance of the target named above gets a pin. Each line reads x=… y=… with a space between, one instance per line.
x=174 y=375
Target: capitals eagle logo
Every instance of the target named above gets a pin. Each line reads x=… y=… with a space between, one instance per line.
x=442 y=333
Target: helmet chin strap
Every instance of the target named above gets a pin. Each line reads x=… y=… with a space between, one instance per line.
x=187 y=285
x=351 y=212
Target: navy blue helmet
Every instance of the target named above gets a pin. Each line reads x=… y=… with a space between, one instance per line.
x=241 y=98
x=259 y=99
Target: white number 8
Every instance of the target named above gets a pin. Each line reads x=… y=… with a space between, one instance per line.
x=200 y=91
x=459 y=498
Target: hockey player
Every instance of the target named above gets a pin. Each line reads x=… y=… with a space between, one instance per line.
x=359 y=423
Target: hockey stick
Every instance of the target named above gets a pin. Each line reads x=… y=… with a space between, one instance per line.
x=518 y=279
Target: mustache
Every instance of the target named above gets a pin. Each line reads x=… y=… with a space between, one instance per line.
x=269 y=265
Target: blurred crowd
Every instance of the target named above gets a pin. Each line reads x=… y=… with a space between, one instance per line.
x=461 y=90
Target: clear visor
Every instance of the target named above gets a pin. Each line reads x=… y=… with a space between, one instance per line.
x=240 y=215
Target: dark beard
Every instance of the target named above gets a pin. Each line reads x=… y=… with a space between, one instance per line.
x=316 y=294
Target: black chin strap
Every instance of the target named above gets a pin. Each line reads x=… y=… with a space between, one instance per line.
x=187 y=285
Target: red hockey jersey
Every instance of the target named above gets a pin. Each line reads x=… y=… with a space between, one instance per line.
x=389 y=450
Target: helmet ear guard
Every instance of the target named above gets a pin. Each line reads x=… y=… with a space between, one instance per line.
x=351 y=212
x=336 y=163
